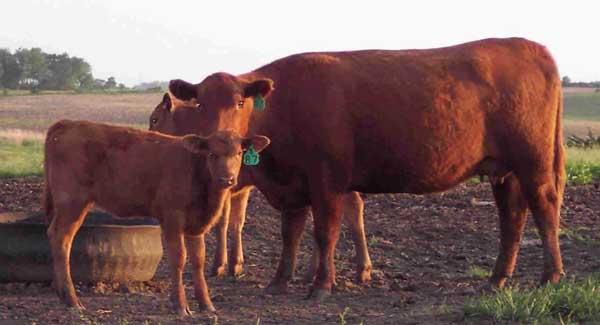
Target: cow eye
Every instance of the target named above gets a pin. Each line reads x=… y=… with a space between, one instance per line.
x=199 y=106
x=154 y=120
x=240 y=104
x=211 y=155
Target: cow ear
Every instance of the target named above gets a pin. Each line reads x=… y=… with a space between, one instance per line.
x=182 y=90
x=195 y=144
x=166 y=102
x=261 y=87
x=258 y=142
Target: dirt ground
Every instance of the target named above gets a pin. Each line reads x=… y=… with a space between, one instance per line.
x=422 y=249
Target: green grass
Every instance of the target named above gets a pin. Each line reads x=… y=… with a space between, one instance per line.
x=583 y=166
x=479 y=272
x=571 y=301
x=20 y=158
x=584 y=106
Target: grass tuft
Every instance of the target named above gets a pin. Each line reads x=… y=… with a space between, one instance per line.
x=479 y=272
x=570 y=301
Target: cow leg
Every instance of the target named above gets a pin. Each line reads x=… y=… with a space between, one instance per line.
x=512 y=210
x=177 y=254
x=239 y=203
x=540 y=191
x=65 y=224
x=292 y=226
x=220 y=264
x=197 y=251
x=327 y=210
x=353 y=216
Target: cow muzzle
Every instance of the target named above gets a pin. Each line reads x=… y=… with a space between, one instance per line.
x=227 y=181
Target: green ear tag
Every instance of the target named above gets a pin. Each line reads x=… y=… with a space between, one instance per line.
x=259 y=102
x=251 y=157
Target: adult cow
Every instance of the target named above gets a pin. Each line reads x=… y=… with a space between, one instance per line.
x=413 y=121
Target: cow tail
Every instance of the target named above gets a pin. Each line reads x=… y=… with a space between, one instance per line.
x=559 y=152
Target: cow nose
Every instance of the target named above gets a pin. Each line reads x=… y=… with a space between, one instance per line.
x=227 y=180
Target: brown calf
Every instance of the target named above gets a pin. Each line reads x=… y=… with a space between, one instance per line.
x=181 y=181
x=176 y=117
x=411 y=121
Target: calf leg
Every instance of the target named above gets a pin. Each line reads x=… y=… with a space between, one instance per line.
x=65 y=223
x=177 y=254
x=220 y=264
x=512 y=210
x=542 y=196
x=239 y=203
x=292 y=226
x=197 y=251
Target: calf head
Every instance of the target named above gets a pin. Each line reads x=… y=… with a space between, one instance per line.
x=224 y=151
x=220 y=102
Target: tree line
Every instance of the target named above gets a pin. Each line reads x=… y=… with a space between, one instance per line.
x=566 y=82
x=33 y=69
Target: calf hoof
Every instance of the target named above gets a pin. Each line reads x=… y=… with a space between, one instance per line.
x=319 y=295
x=183 y=310
x=219 y=271
x=208 y=307
x=72 y=301
x=277 y=288
x=236 y=270
x=363 y=276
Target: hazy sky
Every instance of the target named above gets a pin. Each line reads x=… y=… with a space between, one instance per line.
x=148 y=40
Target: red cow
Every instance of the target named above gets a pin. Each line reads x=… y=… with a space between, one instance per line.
x=412 y=121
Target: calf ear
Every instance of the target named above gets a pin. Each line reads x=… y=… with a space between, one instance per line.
x=261 y=87
x=182 y=90
x=166 y=102
x=195 y=144
x=259 y=142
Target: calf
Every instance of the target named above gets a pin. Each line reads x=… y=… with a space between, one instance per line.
x=181 y=181
x=176 y=117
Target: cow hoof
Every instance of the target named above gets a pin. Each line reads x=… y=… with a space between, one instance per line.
x=319 y=295
x=72 y=301
x=219 y=271
x=236 y=270
x=552 y=278
x=277 y=288
x=363 y=276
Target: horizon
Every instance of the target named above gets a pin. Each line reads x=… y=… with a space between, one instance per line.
x=144 y=41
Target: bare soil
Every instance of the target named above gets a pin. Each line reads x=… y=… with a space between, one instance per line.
x=422 y=249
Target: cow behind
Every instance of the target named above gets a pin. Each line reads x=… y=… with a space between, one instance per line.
x=181 y=181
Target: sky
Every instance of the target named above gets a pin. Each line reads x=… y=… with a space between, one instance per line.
x=144 y=40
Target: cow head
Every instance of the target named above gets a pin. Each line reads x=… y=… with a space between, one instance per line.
x=220 y=102
x=224 y=150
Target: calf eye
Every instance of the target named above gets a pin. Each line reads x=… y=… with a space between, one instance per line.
x=199 y=106
x=240 y=104
x=154 y=120
x=211 y=155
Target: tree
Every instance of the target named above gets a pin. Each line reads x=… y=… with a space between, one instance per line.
x=34 y=65
x=566 y=81
x=110 y=83
x=12 y=72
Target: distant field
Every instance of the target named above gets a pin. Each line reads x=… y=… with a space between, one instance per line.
x=37 y=112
